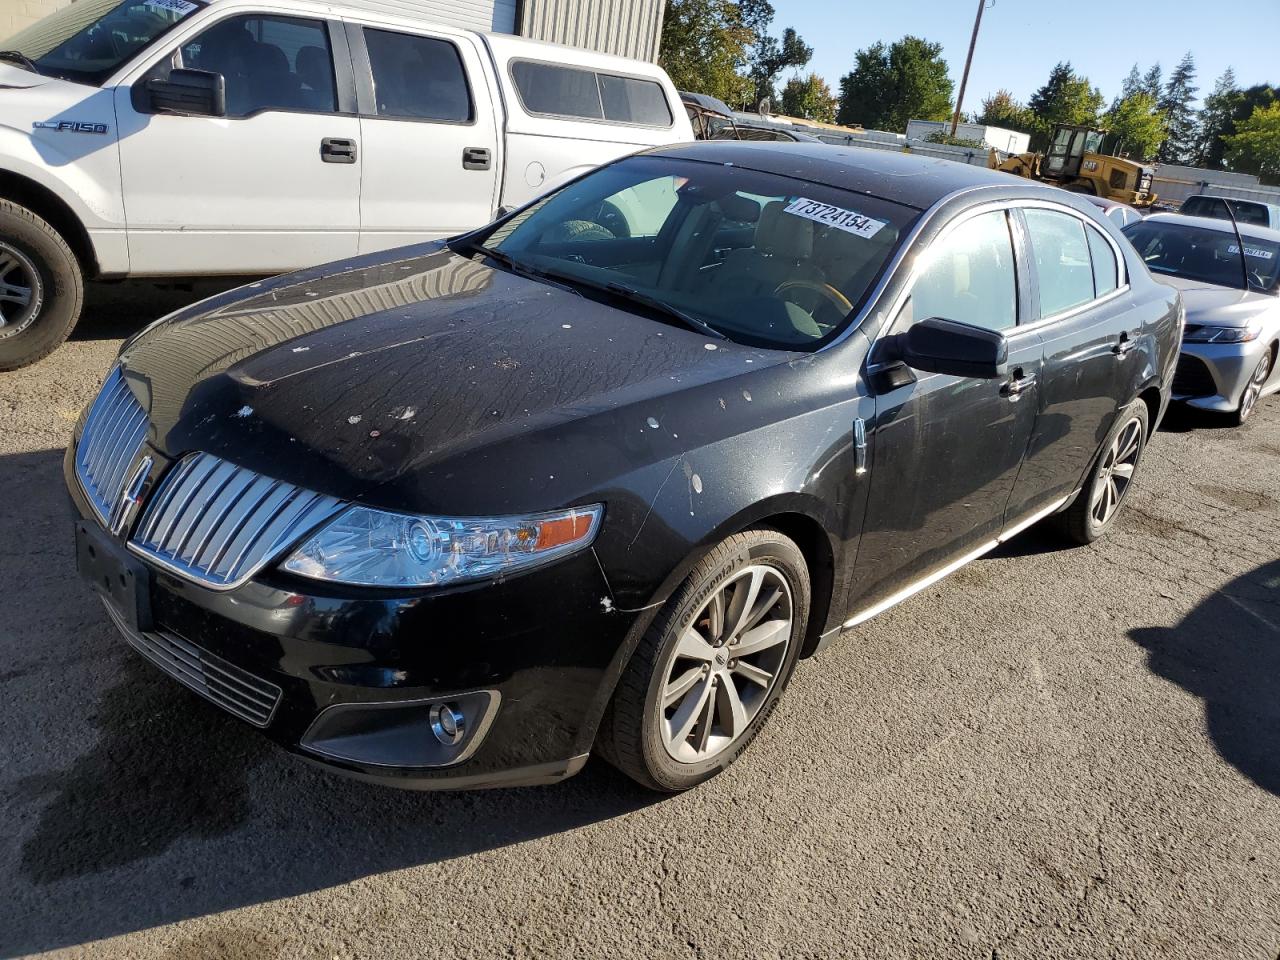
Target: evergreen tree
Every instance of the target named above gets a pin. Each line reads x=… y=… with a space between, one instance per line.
x=1216 y=121
x=1129 y=86
x=1065 y=98
x=1180 y=119
x=1153 y=82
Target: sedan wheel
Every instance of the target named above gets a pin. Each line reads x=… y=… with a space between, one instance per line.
x=1253 y=389
x=1095 y=508
x=708 y=671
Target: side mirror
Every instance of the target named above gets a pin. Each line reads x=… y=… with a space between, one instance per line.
x=197 y=93
x=955 y=349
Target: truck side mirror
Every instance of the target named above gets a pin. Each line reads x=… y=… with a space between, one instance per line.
x=197 y=93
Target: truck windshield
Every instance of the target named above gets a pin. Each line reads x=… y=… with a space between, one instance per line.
x=758 y=258
x=87 y=41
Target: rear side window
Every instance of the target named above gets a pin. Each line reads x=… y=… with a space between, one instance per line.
x=1063 y=265
x=573 y=92
x=1106 y=271
x=419 y=78
x=268 y=63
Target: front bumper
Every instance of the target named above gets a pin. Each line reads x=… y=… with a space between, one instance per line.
x=1212 y=376
x=346 y=677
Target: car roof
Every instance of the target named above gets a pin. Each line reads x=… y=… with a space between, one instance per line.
x=915 y=181
x=1250 y=230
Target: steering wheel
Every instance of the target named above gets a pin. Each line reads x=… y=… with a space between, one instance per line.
x=825 y=290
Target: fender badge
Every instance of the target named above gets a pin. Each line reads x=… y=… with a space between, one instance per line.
x=73 y=126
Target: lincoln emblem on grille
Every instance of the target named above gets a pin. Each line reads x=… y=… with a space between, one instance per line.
x=130 y=497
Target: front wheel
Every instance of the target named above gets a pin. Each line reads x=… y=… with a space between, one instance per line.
x=1098 y=504
x=1253 y=389
x=41 y=287
x=710 y=669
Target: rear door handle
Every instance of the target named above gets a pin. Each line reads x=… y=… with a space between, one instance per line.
x=476 y=158
x=338 y=150
x=1124 y=345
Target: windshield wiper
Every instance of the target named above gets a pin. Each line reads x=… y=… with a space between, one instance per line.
x=20 y=58
x=661 y=306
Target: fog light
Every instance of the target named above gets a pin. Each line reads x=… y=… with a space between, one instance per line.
x=447 y=723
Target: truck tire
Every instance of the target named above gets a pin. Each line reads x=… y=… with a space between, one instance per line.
x=41 y=287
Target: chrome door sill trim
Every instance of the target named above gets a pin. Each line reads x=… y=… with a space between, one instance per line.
x=929 y=580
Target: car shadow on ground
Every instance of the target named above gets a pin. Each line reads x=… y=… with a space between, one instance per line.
x=155 y=806
x=1180 y=418
x=118 y=309
x=1227 y=652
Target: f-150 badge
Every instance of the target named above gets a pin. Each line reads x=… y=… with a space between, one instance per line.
x=70 y=126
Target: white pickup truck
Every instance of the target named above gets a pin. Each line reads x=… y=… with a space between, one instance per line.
x=187 y=138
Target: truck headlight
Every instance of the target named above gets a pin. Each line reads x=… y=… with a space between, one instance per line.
x=377 y=548
x=1210 y=334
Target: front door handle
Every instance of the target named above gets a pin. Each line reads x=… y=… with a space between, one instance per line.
x=476 y=158
x=1124 y=345
x=338 y=150
x=1017 y=385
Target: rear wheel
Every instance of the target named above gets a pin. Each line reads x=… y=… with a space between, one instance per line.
x=710 y=669
x=41 y=287
x=1253 y=389
x=1098 y=504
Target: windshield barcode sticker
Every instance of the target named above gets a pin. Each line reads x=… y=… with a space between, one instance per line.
x=181 y=7
x=1260 y=252
x=847 y=220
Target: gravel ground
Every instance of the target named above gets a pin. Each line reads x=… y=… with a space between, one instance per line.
x=1053 y=753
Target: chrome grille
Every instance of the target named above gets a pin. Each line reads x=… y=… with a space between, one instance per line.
x=112 y=436
x=235 y=690
x=219 y=524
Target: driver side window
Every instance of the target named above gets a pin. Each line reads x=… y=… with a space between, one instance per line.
x=968 y=277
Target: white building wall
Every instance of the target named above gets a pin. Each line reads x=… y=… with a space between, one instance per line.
x=17 y=15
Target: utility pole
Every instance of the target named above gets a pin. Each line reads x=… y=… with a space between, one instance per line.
x=964 y=77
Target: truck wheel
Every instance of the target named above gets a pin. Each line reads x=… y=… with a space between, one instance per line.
x=41 y=287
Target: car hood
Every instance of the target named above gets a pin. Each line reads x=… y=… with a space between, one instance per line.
x=368 y=378
x=1208 y=303
x=27 y=98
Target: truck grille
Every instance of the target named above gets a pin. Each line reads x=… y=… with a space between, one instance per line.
x=112 y=436
x=235 y=690
x=219 y=524
x=1192 y=378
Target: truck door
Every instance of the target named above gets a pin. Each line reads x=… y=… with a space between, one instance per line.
x=429 y=131
x=275 y=184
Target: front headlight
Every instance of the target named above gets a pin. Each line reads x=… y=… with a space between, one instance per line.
x=1209 y=334
x=375 y=548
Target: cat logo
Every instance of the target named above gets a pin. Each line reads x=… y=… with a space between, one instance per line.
x=70 y=126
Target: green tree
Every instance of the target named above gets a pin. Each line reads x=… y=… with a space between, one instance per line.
x=810 y=98
x=1255 y=146
x=1002 y=110
x=1129 y=86
x=1240 y=107
x=1065 y=98
x=890 y=85
x=1216 y=121
x=1136 y=126
x=1153 y=81
x=704 y=46
x=771 y=57
x=1175 y=102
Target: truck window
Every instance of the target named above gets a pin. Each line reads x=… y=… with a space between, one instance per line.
x=268 y=63
x=421 y=78
x=585 y=94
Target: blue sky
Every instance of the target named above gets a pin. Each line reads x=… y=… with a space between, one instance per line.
x=1022 y=39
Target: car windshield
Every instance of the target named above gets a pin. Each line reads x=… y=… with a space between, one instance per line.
x=88 y=40
x=1211 y=256
x=760 y=259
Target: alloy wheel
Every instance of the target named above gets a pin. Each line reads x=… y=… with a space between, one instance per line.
x=20 y=290
x=1254 y=388
x=725 y=664
x=1115 y=474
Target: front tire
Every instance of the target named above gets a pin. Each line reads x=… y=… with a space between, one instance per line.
x=1253 y=389
x=41 y=287
x=712 y=666
x=1096 y=506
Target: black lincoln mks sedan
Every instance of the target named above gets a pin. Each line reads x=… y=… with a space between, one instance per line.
x=595 y=476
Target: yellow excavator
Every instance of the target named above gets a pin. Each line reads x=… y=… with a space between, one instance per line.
x=1075 y=162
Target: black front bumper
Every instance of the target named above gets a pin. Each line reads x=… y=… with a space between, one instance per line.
x=346 y=677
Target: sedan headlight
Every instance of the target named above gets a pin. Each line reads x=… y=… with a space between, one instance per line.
x=375 y=548
x=1209 y=334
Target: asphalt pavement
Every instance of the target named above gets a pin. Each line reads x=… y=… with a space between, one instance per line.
x=1053 y=753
